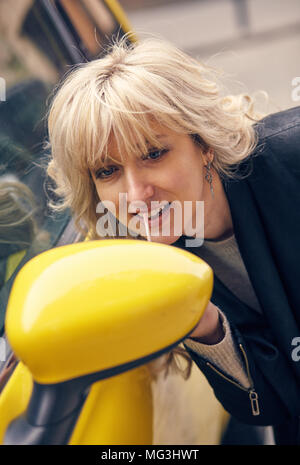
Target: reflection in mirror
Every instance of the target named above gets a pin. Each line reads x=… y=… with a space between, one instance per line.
x=18 y=227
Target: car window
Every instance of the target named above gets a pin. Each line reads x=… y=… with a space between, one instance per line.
x=26 y=226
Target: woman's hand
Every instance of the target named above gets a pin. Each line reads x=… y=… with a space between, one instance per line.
x=209 y=329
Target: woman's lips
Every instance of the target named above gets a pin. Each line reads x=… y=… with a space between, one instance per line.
x=153 y=214
x=156 y=220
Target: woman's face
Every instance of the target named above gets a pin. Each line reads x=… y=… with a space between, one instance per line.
x=161 y=187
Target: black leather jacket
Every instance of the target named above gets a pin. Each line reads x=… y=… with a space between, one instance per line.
x=265 y=208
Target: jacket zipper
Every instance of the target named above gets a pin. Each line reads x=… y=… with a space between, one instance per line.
x=253 y=396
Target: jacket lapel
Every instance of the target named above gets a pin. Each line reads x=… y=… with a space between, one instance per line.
x=260 y=262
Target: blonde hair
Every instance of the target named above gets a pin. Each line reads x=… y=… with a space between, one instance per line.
x=120 y=98
x=17 y=208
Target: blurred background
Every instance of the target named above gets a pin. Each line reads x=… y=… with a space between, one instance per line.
x=256 y=42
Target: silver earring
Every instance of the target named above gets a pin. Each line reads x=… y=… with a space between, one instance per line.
x=208 y=177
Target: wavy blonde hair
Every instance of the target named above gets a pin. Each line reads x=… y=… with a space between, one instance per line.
x=120 y=97
x=17 y=209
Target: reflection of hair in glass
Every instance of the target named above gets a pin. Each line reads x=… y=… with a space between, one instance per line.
x=18 y=228
x=17 y=208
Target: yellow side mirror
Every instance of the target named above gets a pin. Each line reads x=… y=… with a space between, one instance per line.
x=85 y=312
x=96 y=306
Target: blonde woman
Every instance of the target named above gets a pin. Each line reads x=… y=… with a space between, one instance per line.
x=149 y=128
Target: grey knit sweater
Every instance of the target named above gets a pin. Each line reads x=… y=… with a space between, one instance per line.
x=225 y=259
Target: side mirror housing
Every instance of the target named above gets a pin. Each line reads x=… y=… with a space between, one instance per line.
x=101 y=305
x=85 y=312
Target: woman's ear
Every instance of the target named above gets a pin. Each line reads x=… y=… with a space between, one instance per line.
x=208 y=156
x=207 y=151
x=203 y=145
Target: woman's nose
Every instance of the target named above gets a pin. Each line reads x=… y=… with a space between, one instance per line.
x=139 y=187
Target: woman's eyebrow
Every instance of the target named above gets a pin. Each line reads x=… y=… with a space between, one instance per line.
x=104 y=162
x=161 y=136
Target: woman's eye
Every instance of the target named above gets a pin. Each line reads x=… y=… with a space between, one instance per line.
x=104 y=173
x=155 y=154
